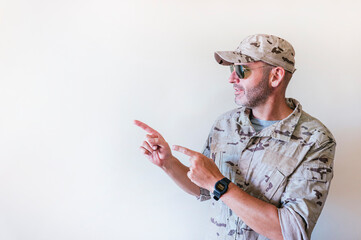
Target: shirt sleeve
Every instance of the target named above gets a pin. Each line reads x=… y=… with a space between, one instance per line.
x=306 y=192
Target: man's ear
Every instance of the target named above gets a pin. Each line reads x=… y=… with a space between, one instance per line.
x=277 y=75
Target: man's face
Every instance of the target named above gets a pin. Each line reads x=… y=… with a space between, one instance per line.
x=253 y=90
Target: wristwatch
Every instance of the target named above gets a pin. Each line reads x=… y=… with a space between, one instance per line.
x=220 y=188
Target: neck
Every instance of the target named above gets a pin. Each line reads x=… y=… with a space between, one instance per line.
x=273 y=109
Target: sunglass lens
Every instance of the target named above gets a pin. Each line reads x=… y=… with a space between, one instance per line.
x=239 y=71
x=232 y=68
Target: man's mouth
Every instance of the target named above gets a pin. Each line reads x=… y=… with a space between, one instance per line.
x=238 y=90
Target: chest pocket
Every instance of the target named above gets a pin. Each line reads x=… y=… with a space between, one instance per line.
x=272 y=186
x=226 y=156
x=280 y=166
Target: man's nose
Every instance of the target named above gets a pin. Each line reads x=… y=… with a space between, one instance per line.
x=234 y=78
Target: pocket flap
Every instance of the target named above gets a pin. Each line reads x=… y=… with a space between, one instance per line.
x=270 y=186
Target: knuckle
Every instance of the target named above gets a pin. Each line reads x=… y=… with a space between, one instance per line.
x=148 y=136
x=195 y=156
x=196 y=159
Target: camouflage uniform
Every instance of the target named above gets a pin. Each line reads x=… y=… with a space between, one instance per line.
x=288 y=164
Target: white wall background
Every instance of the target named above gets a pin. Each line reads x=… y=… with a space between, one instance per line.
x=75 y=73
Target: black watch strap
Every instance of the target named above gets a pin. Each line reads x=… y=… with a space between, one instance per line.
x=220 y=188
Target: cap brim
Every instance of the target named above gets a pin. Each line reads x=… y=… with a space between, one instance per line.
x=232 y=57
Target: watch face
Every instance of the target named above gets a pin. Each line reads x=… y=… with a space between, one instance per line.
x=220 y=187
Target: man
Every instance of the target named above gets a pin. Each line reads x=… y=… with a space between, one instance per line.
x=268 y=162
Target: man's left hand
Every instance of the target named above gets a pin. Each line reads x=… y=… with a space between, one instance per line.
x=203 y=171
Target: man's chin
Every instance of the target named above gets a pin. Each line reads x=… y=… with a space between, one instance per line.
x=241 y=104
x=238 y=101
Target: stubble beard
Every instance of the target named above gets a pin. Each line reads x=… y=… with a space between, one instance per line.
x=256 y=96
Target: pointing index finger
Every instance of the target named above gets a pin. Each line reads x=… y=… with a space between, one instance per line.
x=146 y=127
x=184 y=150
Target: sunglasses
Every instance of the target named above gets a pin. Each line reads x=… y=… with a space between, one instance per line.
x=243 y=71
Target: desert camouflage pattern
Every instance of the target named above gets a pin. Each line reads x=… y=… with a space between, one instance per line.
x=288 y=164
x=260 y=47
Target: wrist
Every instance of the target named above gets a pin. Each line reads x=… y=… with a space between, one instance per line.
x=220 y=188
x=168 y=164
x=213 y=182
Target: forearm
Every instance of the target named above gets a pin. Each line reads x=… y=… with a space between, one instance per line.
x=178 y=173
x=262 y=217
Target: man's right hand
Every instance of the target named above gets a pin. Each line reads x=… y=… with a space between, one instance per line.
x=155 y=148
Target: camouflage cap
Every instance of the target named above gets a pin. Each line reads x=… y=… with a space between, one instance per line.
x=260 y=47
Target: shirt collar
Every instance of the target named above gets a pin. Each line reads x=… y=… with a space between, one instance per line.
x=281 y=130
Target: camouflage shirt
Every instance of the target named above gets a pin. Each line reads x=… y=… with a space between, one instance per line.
x=288 y=164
